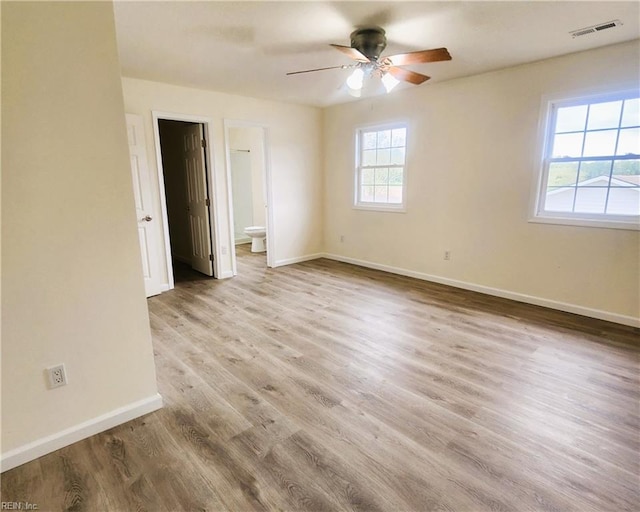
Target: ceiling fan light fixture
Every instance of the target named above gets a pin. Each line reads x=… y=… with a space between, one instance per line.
x=356 y=79
x=367 y=44
x=389 y=81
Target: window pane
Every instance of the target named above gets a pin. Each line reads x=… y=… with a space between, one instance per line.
x=395 y=194
x=604 y=115
x=559 y=199
x=366 y=194
x=384 y=157
x=369 y=140
x=631 y=113
x=380 y=194
x=382 y=176
x=590 y=200
x=594 y=173
x=624 y=196
x=624 y=201
x=629 y=141
x=600 y=143
x=567 y=145
x=593 y=169
x=628 y=170
x=369 y=157
x=599 y=181
x=571 y=119
x=367 y=177
x=398 y=137
x=395 y=176
x=397 y=156
x=562 y=173
x=384 y=139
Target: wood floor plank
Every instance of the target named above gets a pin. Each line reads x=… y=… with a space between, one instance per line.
x=325 y=386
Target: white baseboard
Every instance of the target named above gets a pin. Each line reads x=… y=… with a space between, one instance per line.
x=299 y=259
x=225 y=275
x=241 y=241
x=45 y=445
x=497 y=292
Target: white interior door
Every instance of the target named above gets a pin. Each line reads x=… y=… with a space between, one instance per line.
x=147 y=229
x=199 y=226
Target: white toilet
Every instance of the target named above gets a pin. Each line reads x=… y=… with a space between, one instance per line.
x=258 y=236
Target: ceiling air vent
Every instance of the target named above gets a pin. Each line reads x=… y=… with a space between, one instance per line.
x=595 y=28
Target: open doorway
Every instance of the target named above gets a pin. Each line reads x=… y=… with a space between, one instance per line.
x=186 y=178
x=249 y=191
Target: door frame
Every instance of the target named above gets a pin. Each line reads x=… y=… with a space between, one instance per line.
x=266 y=179
x=212 y=186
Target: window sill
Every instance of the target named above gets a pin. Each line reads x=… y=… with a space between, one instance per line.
x=631 y=225
x=380 y=208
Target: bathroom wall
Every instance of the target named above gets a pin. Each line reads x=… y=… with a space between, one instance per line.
x=248 y=141
x=242 y=189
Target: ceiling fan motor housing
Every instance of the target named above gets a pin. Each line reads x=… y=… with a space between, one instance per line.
x=371 y=42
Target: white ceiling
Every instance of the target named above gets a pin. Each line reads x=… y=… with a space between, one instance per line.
x=247 y=47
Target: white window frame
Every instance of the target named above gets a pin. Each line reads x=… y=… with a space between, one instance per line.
x=380 y=207
x=549 y=107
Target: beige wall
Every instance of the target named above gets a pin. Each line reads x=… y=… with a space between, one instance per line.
x=72 y=289
x=294 y=133
x=471 y=167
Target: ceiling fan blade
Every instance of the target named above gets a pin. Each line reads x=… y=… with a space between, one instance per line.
x=351 y=53
x=407 y=76
x=321 y=69
x=403 y=59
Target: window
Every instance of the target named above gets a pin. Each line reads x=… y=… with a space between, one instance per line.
x=591 y=167
x=380 y=167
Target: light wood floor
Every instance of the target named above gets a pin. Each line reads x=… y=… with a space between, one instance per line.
x=324 y=386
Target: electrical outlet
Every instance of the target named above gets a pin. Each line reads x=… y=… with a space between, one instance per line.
x=57 y=376
x=447 y=255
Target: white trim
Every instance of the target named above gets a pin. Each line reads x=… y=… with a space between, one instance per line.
x=300 y=259
x=583 y=222
x=45 y=445
x=379 y=208
x=229 y=190
x=163 y=200
x=497 y=292
x=212 y=183
x=267 y=186
x=242 y=241
x=226 y=274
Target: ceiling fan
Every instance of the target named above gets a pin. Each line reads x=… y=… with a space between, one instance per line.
x=366 y=46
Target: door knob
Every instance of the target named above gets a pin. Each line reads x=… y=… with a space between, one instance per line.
x=147 y=218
